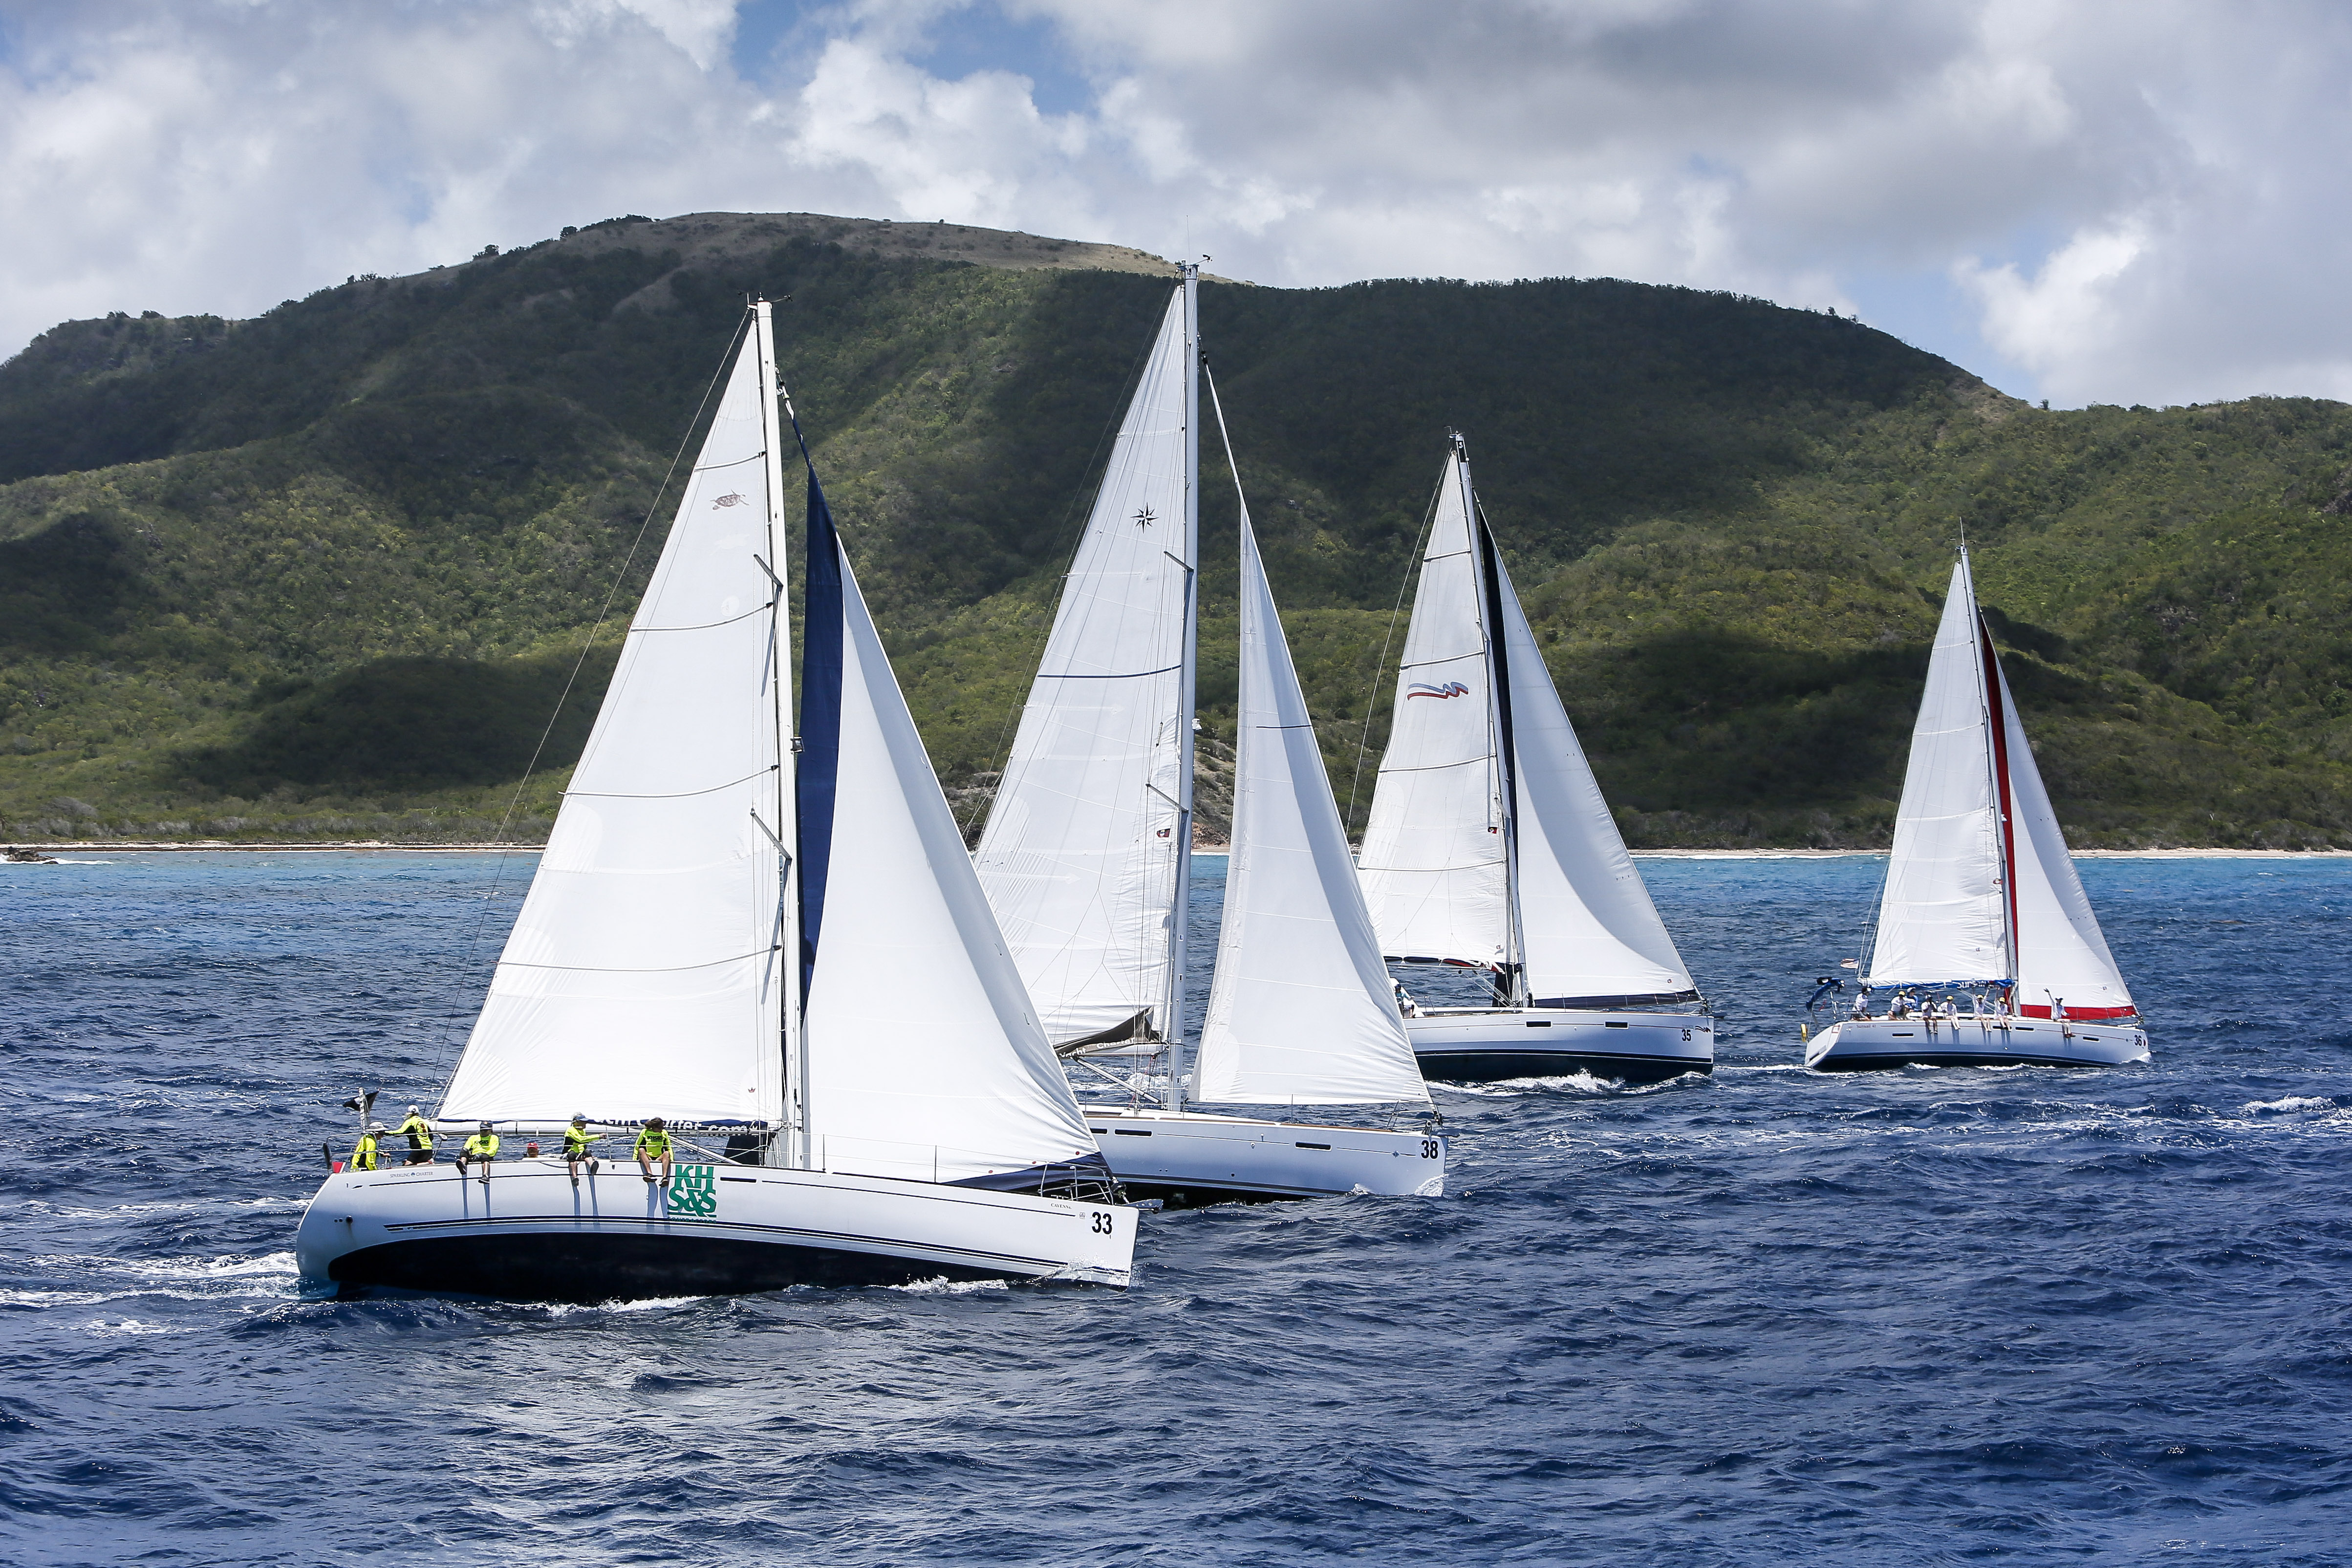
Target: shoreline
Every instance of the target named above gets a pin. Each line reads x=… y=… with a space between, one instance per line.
x=383 y=846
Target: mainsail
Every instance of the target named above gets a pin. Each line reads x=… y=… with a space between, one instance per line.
x=1436 y=861
x=1944 y=915
x=643 y=976
x=1979 y=885
x=1489 y=842
x=647 y=972
x=1301 y=1011
x=1084 y=855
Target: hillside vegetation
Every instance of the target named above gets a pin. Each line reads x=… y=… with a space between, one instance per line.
x=327 y=572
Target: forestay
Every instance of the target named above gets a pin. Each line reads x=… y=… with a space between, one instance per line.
x=1081 y=853
x=926 y=1062
x=1943 y=915
x=1433 y=860
x=1591 y=935
x=1301 y=1011
x=642 y=976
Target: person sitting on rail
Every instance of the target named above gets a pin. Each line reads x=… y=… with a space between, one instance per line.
x=483 y=1146
x=653 y=1143
x=576 y=1139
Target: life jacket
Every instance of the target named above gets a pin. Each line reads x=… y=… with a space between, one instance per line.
x=364 y=1154
x=482 y=1144
x=576 y=1141
x=653 y=1142
x=419 y=1132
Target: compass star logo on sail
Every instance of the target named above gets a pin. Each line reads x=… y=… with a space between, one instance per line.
x=1450 y=689
x=732 y=499
x=1145 y=517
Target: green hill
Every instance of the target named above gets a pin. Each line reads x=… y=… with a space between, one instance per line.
x=327 y=572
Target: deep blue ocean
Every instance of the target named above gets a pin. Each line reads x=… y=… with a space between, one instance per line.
x=1930 y=1317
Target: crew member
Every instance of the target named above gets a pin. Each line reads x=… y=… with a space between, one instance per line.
x=653 y=1143
x=363 y=1152
x=483 y=1146
x=1406 y=1006
x=576 y=1139
x=419 y=1133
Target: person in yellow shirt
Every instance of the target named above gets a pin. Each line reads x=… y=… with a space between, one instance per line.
x=576 y=1139
x=419 y=1133
x=653 y=1143
x=483 y=1146
x=363 y=1153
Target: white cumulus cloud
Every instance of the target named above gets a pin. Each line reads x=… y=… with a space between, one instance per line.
x=2109 y=200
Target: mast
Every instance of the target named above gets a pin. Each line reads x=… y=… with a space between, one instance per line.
x=2004 y=811
x=1173 y=1018
x=791 y=1040
x=1499 y=721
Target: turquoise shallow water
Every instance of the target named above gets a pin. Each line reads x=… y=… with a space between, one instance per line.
x=1765 y=1317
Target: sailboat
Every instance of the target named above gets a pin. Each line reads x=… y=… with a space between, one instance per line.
x=772 y=941
x=1986 y=942
x=1086 y=854
x=1489 y=846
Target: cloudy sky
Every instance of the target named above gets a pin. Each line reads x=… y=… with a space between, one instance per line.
x=2111 y=201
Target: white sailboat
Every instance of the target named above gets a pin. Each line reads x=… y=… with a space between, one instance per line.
x=1489 y=846
x=1986 y=940
x=773 y=942
x=1086 y=852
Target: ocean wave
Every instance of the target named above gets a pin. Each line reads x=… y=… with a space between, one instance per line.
x=2293 y=1106
x=946 y=1287
x=133 y=1328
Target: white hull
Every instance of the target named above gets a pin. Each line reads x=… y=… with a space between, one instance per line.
x=1480 y=1045
x=1856 y=1044
x=529 y=1234
x=1190 y=1156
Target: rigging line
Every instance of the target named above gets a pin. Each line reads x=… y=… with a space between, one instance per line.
x=662 y=969
x=669 y=795
x=759 y=608
x=1373 y=697
x=1129 y=675
x=1000 y=752
x=603 y=612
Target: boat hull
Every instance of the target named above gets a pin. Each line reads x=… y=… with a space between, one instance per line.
x=1483 y=1045
x=527 y=1234
x=1862 y=1045
x=1185 y=1158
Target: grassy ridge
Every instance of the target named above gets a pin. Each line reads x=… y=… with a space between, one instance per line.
x=325 y=572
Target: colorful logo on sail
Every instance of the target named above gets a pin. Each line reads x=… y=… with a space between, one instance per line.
x=694 y=1190
x=1450 y=689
